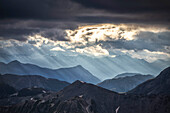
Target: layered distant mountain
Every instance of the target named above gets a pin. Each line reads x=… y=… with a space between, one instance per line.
x=28 y=81
x=158 y=85
x=102 y=67
x=125 y=75
x=124 y=82
x=65 y=74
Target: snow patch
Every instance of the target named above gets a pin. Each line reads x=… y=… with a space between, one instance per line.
x=15 y=94
x=117 y=109
x=82 y=81
x=52 y=104
x=42 y=101
x=44 y=91
x=81 y=96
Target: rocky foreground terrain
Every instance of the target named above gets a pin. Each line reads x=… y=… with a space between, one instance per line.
x=81 y=97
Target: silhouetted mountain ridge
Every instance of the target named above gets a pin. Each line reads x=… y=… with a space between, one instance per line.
x=27 y=81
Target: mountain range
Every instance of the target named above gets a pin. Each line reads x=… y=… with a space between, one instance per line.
x=81 y=97
x=124 y=82
x=102 y=67
x=27 y=81
x=125 y=75
x=64 y=74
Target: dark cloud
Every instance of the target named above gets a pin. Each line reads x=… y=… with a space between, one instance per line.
x=19 y=30
x=89 y=11
x=149 y=19
x=55 y=34
x=130 y=6
x=145 y=40
x=20 y=18
x=136 y=11
x=35 y=9
x=22 y=34
x=17 y=34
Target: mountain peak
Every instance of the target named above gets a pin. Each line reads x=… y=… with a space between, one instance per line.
x=79 y=82
x=14 y=62
x=78 y=66
x=125 y=75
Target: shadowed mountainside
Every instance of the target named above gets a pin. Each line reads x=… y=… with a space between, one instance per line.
x=87 y=98
x=6 y=90
x=28 y=81
x=158 y=85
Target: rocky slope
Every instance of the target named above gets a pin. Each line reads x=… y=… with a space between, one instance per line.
x=87 y=98
x=6 y=90
x=80 y=97
x=13 y=96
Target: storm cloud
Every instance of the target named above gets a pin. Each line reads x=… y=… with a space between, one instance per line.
x=36 y=9
x=17 y=34
x=19 y=19
x=53 y=26
x=131 y=6
x=88 y=11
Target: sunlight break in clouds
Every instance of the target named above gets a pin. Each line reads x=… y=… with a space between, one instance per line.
x=93 y=50
x=105 y=32
x=38 y=40
x=101 y=32
x=90 y=40
x=57 y=49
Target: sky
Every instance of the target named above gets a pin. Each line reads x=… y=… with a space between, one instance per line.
x=92 y=33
